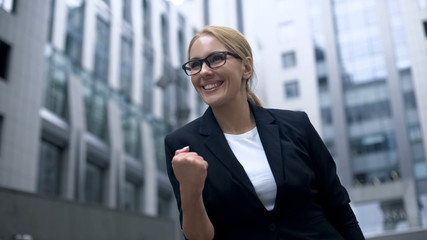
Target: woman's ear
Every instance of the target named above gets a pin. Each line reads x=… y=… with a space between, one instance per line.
x=247 y=65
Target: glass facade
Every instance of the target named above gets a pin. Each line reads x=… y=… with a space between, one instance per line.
x=74 y=35
x=102 y=50
x=372 y=143
x=55 y=98
x=126 y=11
x=386 y=215
x=182 y=81
x=359 y=42
x=164 y=205
x=131 y=131
x=49 y=174
x=94 y=183
x=96 y=100
x=126 y=67
x=146 y=16
x=147 y=80
x=148 y=59
x=131 y=196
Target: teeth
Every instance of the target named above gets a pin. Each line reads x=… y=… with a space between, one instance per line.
x=210 y=86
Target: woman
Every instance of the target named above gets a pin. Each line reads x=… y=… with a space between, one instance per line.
x=245 y=172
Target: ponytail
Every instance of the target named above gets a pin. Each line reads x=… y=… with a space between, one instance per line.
x=252 y=97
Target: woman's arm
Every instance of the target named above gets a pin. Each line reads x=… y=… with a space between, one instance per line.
x=334 y=197
x=190 y=170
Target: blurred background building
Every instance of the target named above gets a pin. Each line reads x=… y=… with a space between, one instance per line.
x=89 y=88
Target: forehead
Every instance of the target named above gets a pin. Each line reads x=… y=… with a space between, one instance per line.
x=204 y=45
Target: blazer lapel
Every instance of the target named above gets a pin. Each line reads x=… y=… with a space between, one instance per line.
x=270 y=138
x=218 y=145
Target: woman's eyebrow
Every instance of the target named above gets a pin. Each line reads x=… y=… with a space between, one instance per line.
x=195 y=58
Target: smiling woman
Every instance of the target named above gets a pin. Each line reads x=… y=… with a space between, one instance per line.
x=241 y=171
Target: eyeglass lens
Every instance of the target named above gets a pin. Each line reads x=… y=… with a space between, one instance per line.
x=213 y=61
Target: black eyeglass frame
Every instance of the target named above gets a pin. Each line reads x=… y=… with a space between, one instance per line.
x=205 y=60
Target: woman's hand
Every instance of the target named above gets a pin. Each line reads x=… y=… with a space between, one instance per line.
x=190 y=170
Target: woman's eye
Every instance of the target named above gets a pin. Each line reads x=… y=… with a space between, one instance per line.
x=217 y=58
x=195 y=64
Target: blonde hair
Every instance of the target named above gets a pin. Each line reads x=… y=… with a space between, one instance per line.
x=235 y=42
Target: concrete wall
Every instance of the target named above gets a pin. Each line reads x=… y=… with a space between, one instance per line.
x=49 y=218
x=413 y=235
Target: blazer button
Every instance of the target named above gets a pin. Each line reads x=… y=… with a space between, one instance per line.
x=272 y=227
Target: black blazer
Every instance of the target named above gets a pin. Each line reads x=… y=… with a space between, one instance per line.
x=310 y=203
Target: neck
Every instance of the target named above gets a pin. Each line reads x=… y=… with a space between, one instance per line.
x=235 y=118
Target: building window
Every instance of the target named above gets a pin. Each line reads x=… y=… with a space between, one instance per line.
x=146 y=9
x=96 y=99
x=49 y=175
x=326 y=114
x=323 y=84
x=425 y=28
x=1 y=131
x=366 y=112
x=164 y=206
x=4 y=59
x=102 y=46
x=147 y=81
x=131 y=201
x=55 y=98
x=126 y=11
x=126 y=67
x=94 y=183
x=74 y=38
x=131 y=133
x=291 y=89
x=289 y=60
x=7 y=5
x=415 y=134
x=165 y=35
x=409 y=100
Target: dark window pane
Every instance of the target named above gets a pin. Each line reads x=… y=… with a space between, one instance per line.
x=291 y=89
x=102 y=46
x=126 y=11
x=131 y=196
x=94 y=183
x=289 y=60
x=425 y=28
x=326 y=114
x=126 y=68
x=4 y=59
x=49 y=175
x=74 y=37
x=131 y=133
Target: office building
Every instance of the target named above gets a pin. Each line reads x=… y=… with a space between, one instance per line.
x=88 y=89
x=358 y=68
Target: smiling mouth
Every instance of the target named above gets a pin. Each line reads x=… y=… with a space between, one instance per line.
x=212 y=86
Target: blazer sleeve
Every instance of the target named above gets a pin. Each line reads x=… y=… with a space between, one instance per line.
x=169 y=154
x=333 y=196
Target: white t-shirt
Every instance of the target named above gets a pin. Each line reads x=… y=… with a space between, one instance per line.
x=248 y=149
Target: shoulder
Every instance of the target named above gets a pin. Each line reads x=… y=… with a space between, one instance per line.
x=289 y=117
x=185 y=131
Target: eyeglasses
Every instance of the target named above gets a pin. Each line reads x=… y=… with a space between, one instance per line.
x=213 y=60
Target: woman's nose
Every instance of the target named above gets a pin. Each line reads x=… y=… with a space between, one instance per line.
x=205 y=68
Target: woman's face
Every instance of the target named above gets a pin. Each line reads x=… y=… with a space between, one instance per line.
x=222 y=85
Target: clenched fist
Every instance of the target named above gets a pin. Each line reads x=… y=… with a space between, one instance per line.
x=190 y=170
